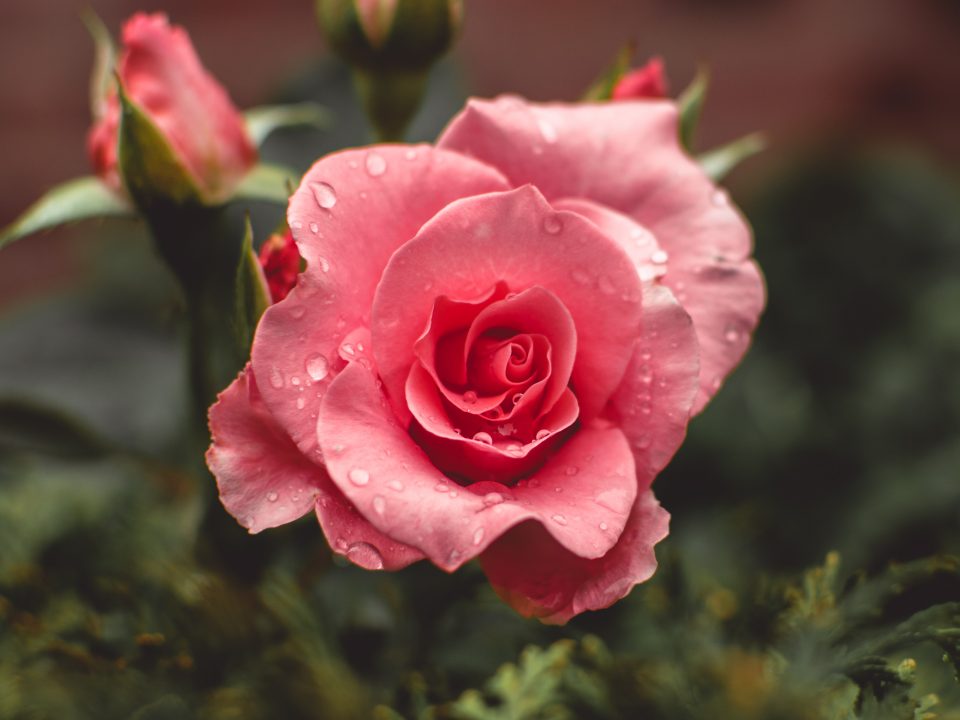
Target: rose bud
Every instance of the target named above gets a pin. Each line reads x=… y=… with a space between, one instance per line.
x=647 y=82
x=188 y=141
x=391 y=44
x=280 y=261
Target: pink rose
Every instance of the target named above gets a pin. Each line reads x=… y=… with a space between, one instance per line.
x=497 y=344
x=647 y=82
x=161 y=73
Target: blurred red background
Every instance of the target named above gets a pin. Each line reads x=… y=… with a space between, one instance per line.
x=798 y=69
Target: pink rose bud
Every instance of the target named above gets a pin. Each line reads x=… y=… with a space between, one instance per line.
x=280 y=261
x=161 y=75
x=647 y=82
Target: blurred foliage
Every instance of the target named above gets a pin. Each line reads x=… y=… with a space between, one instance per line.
x=127 y=591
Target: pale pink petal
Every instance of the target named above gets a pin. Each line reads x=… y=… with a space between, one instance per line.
x=394 y=485
x=653 y=403
x=626 y=155
x=350 y=535
x=517 y=238
x=161 y=73
x=350 y=213
x=539 y=578
x=265 y=481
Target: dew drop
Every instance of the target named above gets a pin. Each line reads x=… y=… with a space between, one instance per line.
x=365 y=555
x=276 y=378
x=559 y=519
x=478 y=536
x=493 y=498
x=359 y=476
x=272 y=496
x=396 y=485
x=297 y=312
x=603 y=526
x=410 y=154
x=541 y=434
x=317 y=367
x=314 y=228
x=547 y=131
x=719 y=197
x=507 y=429
x=295 y=381
x=296 y=225
x=470 y=397
x=552 y=225
x=483 y=438
x=580 y=276
x=731 y=334
x=376 y=165
x=571 y=470
x=606 y=285
x=441 y=487
x=325 y=196
x=379 y=504
x=324 y=265
x=514 y=450
x=659 y=257
x=301 y=403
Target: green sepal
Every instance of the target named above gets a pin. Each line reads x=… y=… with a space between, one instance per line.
x=690 y=103
x=718 y=163
x=251 y=294
x=151 y=170
x=602 y=88
x=104 y=59
x=267 y=183
x=79 y=199
x=263 y=121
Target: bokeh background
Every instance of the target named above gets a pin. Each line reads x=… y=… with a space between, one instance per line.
x=125 y=589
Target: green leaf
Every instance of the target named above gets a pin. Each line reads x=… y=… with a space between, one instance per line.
x=718 y=163
x=262 y=121
x=691 y=105
x=267 y=183
x=252 y=295
x=75 y=200
x=105 y=55
x=602 y=88
x=149 y=166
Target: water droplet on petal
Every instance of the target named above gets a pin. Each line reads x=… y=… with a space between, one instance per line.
x=719 y=197
x=396 y=485
x=297 y=312
x=276 y=378
x=559 y=519
x=410 y=154
x=358 y=476
x=272 y=496
x=470 y=397
x=493 y=498
x=580 y=276
x=659 y=257
x=541 y=434
x=547 y=131
x=379 y=504
x=483 y=438
x=324 y=265
x=317 y=367
x=603 y=526
x=731 y=334
x=507 y=429
x=314 y=228
x=325 y=196
x=441 y=487
x=478 y=536
x=552 y=225
x=606 y=285
x=301 y=403
x=376 y=165
x=514 y=450
x=571 y=470
x=365 y=555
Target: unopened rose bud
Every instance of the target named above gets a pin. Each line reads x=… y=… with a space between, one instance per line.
x=391 y=45
x=280 y=261
x=647 y=82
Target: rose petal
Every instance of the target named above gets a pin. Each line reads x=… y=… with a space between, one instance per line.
x=627 y=155
x=265 y=481
x=653 y=404
x=452 y=524
x=517 y=238
x=350 y=213
x=539 y=578
x=161 y=72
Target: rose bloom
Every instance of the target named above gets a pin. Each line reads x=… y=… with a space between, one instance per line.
x=496 y=345
x=161 y=74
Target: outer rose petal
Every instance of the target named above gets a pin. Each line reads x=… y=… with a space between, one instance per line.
x=396 y=487
x=539 y=578
x=627 y=155
x=350 y=213
x=518 y=238
x=160 y=72
x=265 y=481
